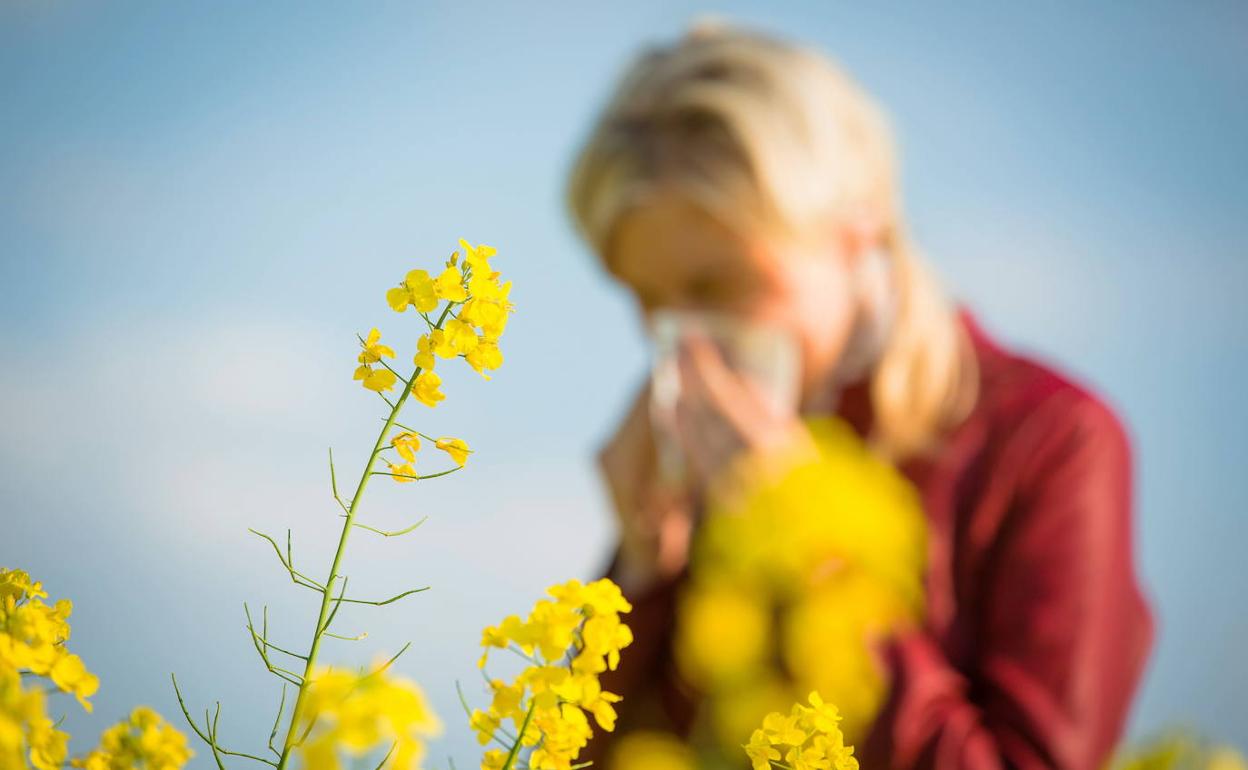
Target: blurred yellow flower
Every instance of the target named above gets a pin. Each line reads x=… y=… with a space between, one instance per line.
x=809 y=558
x=651 y=750
x=1177 y=749
x=357 y=713
x=16 y=584
x=33 y=636
x=26 y=732
x=724 y=633
x=144 y=740
x=71 y=675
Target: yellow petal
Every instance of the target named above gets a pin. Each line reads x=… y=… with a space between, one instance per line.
x=449 y=285
x=398 y=298
x=425 y=389
x=457 y=448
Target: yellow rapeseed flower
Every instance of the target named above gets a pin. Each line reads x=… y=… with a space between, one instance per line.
x=450 y=285
x=477 y=257
x=424 y=351
x=416 y=290
x=485 y=355
x=809 y=736
x=407 y=444
x=457 y=448
x=375 y=379
x=461 y=337
x=373 y=350
x=33 y=635
x=425 y=389
x=404 y=473
x=16 y=584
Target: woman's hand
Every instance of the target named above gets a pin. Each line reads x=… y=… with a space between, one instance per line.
x=721 y=414
x=655 y=522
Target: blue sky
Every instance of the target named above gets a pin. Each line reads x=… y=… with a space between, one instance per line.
x=203 y=203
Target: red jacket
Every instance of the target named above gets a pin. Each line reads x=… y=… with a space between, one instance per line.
x=1036 y=631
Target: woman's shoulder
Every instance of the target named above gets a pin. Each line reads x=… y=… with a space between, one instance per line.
x=1035 y=410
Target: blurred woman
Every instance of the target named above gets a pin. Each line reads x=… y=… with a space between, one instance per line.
x=736 y=172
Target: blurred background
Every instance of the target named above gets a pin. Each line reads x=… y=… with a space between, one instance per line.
x=201 y=204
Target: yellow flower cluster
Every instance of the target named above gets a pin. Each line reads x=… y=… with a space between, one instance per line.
x=33 y=636
x=483 y=303
x=810 y=737
x=25 y=729
x=362 y=712
x=791 y=575
x=568 y=640
x=144 y=741
x=32 y=645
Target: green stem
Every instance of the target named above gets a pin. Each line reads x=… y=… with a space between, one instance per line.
x=348 y=521
x=515 y=749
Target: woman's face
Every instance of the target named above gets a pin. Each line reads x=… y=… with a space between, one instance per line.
x=672 y=254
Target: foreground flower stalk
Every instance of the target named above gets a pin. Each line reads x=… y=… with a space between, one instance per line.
x=357 y=713
x=327 y=592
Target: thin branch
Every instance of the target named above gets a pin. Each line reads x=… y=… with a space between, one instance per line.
x=356 y=638
x=333 y=476
x=415 y=478
x=386 y=601
x=387 y=756
x=279 y=672
x=338 y=603
x=263 y=636
x=281 y=707
x=217 y=747
x=297 y=577
x=186 y=713
x=390 y=533
x=392 y=369
x=515 y=749
x=212 y=744
x=390 y=662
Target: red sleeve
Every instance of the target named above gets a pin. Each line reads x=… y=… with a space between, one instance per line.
x=1061 y=629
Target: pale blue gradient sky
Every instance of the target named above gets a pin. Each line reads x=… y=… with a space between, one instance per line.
x=200 y=204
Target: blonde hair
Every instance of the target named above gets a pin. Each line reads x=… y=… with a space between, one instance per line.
x=772 y=137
